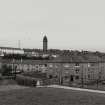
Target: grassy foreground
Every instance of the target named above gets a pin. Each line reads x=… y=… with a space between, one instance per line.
x=50 y=96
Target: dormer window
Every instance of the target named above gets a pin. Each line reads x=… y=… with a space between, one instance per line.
x=77 y=64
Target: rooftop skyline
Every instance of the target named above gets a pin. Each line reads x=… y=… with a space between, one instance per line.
x=68 y=24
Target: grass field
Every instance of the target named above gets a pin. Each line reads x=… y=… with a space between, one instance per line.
x=50 y=96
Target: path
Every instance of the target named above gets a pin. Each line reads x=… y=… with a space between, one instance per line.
x=73 y=88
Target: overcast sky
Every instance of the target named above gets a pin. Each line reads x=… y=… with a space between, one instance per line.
x=68 y=24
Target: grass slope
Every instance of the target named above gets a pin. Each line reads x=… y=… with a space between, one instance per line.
x=50 y=96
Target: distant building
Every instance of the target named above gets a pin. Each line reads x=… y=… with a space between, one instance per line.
x=45 y=44
x=10 y=50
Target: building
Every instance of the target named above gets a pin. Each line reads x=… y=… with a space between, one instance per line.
x=10 y=50
x=69 y=67
x=77 y=72
x=67 y=71
x=45 y=44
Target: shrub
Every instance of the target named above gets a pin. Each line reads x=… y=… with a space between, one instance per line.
x=6 y=70
x=27 y=81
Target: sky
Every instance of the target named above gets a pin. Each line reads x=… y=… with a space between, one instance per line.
x=68 y=24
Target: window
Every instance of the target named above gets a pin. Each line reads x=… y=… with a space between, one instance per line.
x=50 y=76
x=94 y=64
x=66 y=65
x=40 y=65
x=66 y=77
x=88 y=76
x=56 y=66
x=45 y=65
x=77 y=77
x=55 y=76
x=88 y=69
x=77 y=70
x=76 y=64
x=37 y=66
x=50 y=65
x=89 y=65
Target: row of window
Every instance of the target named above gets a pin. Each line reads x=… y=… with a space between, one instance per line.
x=77 y=77
x=76 y=65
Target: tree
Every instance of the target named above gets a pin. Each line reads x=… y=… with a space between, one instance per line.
x=6 y=70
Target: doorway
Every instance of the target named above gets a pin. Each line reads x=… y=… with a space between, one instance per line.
x=71 y=78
